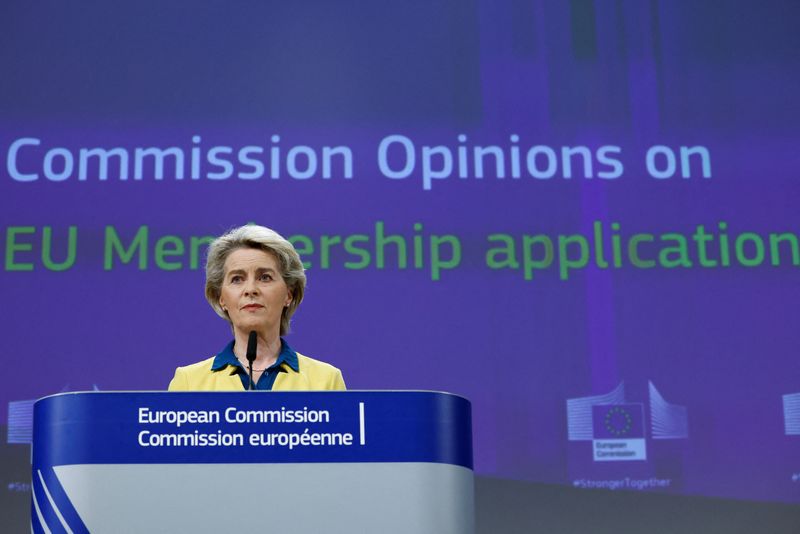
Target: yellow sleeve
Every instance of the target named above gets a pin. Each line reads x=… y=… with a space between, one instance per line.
x=178 y=382
x=337 y=384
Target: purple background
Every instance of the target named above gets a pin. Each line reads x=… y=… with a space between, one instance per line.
x=722 y=342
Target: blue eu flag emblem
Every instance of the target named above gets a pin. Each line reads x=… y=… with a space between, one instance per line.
x=618 y=421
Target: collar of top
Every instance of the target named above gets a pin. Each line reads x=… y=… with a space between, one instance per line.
x=226 y=357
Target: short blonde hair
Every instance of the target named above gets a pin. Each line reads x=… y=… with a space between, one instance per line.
x=260 y=238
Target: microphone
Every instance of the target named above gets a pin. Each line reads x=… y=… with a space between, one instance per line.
x=252 y=344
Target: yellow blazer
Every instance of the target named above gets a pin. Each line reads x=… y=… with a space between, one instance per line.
x=312 y=375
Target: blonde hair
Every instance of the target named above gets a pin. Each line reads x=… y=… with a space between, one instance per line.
x=260 y=238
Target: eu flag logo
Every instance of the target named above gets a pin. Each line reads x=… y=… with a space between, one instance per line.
x=618 y=421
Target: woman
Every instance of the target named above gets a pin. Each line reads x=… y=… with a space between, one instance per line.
x=255 y=281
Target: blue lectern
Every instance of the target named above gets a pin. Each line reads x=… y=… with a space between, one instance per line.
x=288 y=462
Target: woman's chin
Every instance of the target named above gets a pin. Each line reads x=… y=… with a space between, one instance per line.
x=246 y=327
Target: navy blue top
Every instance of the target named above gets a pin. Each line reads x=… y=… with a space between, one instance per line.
x=226 y=358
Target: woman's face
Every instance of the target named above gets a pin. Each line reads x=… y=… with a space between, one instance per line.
x=253 y=291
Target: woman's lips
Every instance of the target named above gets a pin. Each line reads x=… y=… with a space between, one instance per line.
x=252 y=307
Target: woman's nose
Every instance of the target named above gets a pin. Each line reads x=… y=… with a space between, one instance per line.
x=251 y=288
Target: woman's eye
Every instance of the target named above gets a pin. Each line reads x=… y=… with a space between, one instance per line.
x=236 y=279
x=266 y=277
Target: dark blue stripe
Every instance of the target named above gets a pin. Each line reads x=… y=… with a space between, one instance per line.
x=36 y=526
x=63 y=503
x=49 y=515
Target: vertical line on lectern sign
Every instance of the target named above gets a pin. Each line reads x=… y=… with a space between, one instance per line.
x=362 y=434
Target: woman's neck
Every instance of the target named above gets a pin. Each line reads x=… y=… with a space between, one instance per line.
x=267 y=350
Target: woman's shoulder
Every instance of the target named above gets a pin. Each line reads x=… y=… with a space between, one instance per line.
x=313 y=364
x=203 y=365
x=319 y=375
x=188 y=376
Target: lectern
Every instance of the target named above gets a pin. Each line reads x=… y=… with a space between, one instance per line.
x=284 y=462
